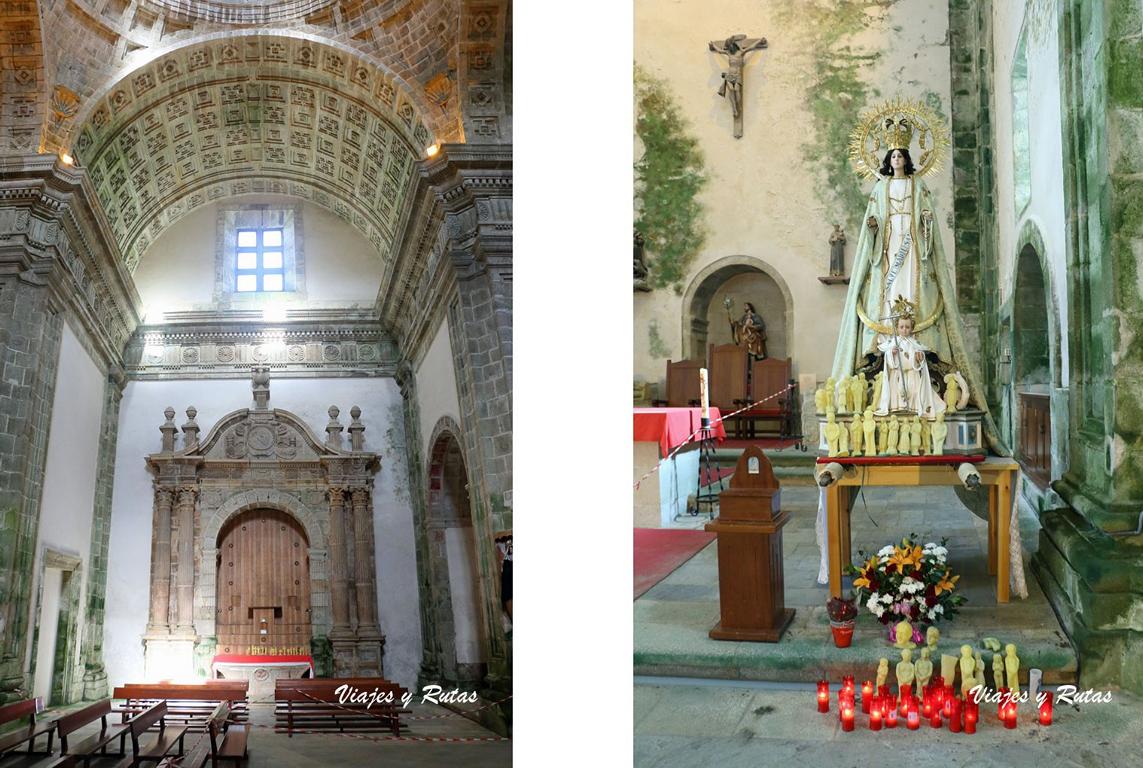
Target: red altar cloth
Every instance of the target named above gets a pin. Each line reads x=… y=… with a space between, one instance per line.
x=947 y=458
x=670 y=427
x=262 y=661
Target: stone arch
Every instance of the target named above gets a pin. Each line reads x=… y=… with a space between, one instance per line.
x=262 y=498
x=461 y=643
x=698 y=302
x=1030 y=238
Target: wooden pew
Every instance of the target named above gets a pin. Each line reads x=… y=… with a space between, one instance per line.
x=166 y=739
x=312 y=705
x=29 y=709
x=96 y=744
x=226 y=743
x=190 y=705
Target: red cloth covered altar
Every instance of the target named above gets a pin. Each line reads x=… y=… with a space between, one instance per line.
x=670 y=427
x=260 y=661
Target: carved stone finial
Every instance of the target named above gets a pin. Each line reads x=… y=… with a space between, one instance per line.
x=260 y=383
x=356 y=430
x=333 y=429
x=169 y=430
x=190 y=429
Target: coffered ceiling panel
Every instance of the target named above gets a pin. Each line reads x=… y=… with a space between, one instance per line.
x=252 y=114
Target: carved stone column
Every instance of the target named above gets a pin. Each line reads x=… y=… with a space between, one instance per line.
x=161 y=564
x=338 y=573
x=184 y=576
x=369 y=638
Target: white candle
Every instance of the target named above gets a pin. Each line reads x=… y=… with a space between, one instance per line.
x=1034 y=678
x=704 y=396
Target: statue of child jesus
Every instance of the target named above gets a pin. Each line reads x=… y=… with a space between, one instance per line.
x=907 y=386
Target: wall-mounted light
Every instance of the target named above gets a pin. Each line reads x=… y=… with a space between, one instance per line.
x=432 y=149
x=67 y=159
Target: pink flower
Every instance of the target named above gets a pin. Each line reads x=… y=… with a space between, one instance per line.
x=917 y=636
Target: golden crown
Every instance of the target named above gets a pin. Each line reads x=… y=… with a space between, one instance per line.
x=897 y=134
x=902 y=307
x=895 y=125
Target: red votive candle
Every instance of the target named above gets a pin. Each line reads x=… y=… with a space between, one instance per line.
x=1046 y=708
x=1010 y=715
x=1000 y=705
x=847 y=682
x=866 y=695
x=847 y=717
x=823 y=696
x=946 y=707
x=913 y=721
x=954 y=721
x=927 y=704
x=891 y=718
x=875 y=718
x=883 y=691
x=971 y=715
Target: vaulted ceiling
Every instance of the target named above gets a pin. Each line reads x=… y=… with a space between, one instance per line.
x=256 y=113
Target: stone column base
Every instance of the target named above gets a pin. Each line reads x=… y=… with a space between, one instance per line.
x=95 y=684
x=168 y=658
x=369 y=650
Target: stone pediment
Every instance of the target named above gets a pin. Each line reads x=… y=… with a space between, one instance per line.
x=270 y=435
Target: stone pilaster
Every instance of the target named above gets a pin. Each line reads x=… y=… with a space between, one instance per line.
x=94 y=676
x=159 y=623
x=184 y=573
x=1089 y=559
x=369 y=638
x=338 y=574
x=474 y=187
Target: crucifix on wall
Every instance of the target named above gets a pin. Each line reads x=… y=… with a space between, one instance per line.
x=735 y=49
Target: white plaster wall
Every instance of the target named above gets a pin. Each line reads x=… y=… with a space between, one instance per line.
x=177 y=272
x=141 y=414
x=73 y=454
x=760 y=200
x=1046 y=206
x=436 y=387
x=460 y=549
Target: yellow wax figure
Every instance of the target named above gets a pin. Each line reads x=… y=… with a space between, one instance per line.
x=882 y=672
x=924 y=669
x=1012 y=668
x=869 y=427
x=967 y=665
x=856 y=431
x=904 y=635
x=905 y=669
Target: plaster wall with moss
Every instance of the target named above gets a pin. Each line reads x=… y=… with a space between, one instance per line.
x=774 y=195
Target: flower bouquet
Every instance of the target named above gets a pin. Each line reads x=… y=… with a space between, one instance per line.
x=908 y=582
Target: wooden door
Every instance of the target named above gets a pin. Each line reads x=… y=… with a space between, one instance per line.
x=263 y=585
x=1035 y=449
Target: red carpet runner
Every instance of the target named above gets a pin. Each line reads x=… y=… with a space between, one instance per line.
x=658 y=551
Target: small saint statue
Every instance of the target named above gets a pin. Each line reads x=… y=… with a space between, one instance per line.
x=905 y=669
x=915 y=437
x=967 y=665
x=856 y=432
x=640 y=266
x=908 y=387
x=938 y=432
x=832 y=433
x=924 y=668
x=894 y=429
x=749 y=331
x=735 y=49
x=952 y=392
x=821 y=400
x=869 y=427
x=1012 y=668
x=882 y=672
x=837 y=252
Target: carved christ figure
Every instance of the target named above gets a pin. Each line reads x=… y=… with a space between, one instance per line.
x=735 y=49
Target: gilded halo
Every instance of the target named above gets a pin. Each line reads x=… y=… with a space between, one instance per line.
x=896 y=122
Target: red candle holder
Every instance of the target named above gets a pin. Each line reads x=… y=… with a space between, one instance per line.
x=883 y=690
x=1046 y=708
x=946 y=706
x=875 y=718
x=1000 y=705
x=847 y=717
x=955 y=720
x=913 y=721
x=847 y=681
x=866 y=695
x=971 y=715
x=823 y=696
x=1010 y=715
x=891 y=718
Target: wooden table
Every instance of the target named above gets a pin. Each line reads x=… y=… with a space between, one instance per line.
x=998 y=474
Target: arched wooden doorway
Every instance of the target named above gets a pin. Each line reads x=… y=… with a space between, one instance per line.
x=1031 y=353
x=462 y=640
x=263 y=585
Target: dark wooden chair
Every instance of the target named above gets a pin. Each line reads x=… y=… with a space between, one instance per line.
x=29 y=708
x=767 y=377
x=682 y=384
x=728 y=382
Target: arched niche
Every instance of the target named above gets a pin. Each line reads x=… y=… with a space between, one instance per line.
x=743 y=278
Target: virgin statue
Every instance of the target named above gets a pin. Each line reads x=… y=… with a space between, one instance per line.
x=899 y=270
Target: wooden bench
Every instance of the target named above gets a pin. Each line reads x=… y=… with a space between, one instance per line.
x=189 y=705
x=167 y=738
x=313 y=705
x=233 y=740
x=29 y=709
x=96 y=744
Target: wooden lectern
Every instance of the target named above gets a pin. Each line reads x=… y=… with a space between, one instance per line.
x=749 y=528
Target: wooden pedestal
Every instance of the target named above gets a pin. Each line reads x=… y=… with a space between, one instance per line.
x=749 y=527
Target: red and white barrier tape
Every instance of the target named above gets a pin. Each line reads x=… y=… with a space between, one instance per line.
x=721 y=418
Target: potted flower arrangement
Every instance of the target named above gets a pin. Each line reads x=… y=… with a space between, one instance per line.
x=842 y=614
x=908 y=582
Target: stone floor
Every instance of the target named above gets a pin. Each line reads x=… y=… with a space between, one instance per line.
x=688 y=723
x=672 y=619
x=427 y=721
